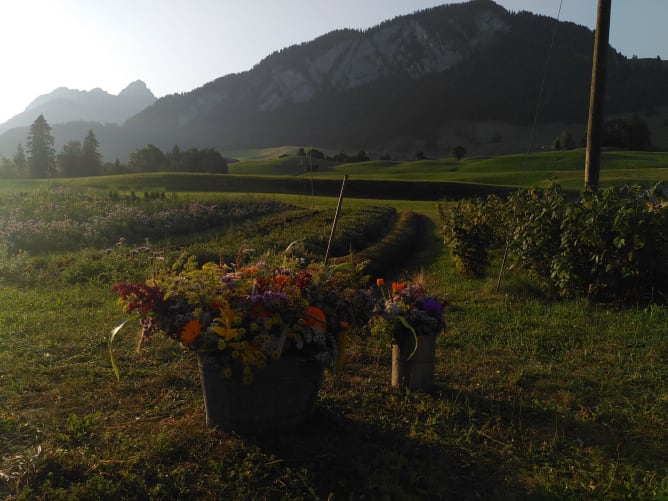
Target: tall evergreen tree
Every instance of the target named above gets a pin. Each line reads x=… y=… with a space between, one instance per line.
x=41 y=155
x=91 y=159
x=70 y=160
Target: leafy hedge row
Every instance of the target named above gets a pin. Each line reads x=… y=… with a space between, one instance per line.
x=607 y=245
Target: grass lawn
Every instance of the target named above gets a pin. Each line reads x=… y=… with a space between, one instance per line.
x=535 y=398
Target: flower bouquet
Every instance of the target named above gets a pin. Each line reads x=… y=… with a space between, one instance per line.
x=411 y=318
x=262 y=325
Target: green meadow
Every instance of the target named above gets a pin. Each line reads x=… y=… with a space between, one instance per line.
x=536 y=396
x=535 y=169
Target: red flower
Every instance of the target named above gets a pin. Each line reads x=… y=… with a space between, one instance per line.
x=314 y=317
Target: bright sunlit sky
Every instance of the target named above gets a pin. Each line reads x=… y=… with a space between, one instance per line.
x=178 y=45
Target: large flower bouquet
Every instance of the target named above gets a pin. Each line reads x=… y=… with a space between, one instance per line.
x=246 y=317
x=408 y=310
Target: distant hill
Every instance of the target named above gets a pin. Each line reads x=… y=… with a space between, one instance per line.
x=68 y=105
x=467 y=73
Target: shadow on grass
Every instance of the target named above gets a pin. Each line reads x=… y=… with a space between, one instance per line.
x=354 y=460
x=578 y=443
x=482 y=449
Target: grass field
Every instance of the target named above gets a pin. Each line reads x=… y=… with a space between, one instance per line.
x=536 y=397
x=563 y=167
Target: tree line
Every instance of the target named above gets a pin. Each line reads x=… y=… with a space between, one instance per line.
x=82 y=158
x=628 y=133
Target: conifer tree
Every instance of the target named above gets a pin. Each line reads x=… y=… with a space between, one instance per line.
x=41 y=155
x=91 y=158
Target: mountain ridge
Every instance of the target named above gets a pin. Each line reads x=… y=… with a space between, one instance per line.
x=64 y=105
x=466 y=74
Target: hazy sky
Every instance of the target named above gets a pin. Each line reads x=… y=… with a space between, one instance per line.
x=178 y=45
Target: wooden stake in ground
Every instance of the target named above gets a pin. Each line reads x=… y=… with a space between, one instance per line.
x=336 y=218
x=597 y=95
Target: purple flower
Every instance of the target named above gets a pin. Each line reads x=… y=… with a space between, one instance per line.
x=430 y=306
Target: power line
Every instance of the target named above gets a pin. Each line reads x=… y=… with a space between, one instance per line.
x=531 y=133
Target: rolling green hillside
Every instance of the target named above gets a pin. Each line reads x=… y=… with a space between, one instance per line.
x=564 y=167
x=283 y=165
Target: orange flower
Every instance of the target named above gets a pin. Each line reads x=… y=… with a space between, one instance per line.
x=344 y=325
x=380 y=282
x=190 y=332
x=314 y=317
x=398 y=286
x=280 y=280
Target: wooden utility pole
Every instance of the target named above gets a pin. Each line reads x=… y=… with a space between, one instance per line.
x=597 y=95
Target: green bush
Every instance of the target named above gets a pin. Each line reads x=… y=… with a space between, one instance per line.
x=470 y=228
x=611 y=245
x=533 y=220
x=614 y=245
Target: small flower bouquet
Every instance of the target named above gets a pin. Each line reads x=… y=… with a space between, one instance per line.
x=247 y=317
x=411 y=318
x=408 y=311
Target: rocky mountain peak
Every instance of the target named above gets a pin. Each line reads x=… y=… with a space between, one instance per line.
x=64 y=105
x=137 y=89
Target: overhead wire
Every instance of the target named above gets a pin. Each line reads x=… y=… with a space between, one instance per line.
x=531 y=133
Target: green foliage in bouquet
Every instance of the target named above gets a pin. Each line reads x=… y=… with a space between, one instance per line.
x=248 y=316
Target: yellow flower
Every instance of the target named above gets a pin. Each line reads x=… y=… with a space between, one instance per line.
x=251 y=354
x=224 y=332
x=223 y=325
